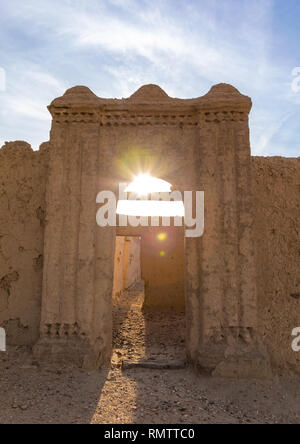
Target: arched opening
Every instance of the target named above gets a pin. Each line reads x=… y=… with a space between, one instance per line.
x=151 y=197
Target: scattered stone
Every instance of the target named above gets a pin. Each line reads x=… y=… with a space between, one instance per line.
x=155 y=365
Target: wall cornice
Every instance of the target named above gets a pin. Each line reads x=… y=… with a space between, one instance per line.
x=150 y=105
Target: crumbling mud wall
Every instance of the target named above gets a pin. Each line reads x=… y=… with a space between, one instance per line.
x=118 y=268
x=127 y=265
x=276 y=198
x=132 y=261
x=23 y=175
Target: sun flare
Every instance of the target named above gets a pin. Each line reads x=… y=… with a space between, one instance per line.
x=143 y=185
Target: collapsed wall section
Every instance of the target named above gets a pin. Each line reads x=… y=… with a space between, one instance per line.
x=22 y=207
x=276 y=202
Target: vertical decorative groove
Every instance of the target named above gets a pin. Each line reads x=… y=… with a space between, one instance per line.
x=230 y=236
x=60 y=248
x=211 y=267
x=193 y=275
x=54 y=229
x=104 y=263
x=70 y=233
x=194 y=300
x=87 y=229
x=248 y=301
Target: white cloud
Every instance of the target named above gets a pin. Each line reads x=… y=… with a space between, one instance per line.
x=262 y=146
x=25 y=102
x=115 y=46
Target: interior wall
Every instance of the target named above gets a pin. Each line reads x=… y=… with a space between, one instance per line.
x=276 y=192
x=132 y=261
x=162 y=259
x=118 y=286
x=23 y=174
x=127 y=264
x=276 y=199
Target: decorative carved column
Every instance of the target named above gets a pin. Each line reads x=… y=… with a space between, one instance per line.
x=78 y=266
x=221 y=281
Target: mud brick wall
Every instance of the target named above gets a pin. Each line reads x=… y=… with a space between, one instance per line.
x=127 y=265
x=23 y=175
x=132 y=265
x=118 y=268
x=276 y=197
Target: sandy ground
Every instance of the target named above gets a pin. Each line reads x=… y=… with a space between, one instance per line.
x=30 y=393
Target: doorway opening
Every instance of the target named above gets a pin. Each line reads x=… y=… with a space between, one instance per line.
x=148 y=296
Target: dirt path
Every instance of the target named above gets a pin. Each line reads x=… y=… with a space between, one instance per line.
x=47 y=394
x=146 y=335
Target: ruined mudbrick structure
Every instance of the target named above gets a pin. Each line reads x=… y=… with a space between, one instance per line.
x=239 y=283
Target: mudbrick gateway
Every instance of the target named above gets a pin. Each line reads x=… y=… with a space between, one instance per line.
x=236 y=287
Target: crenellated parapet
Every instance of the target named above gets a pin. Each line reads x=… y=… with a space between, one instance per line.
x=150 y=106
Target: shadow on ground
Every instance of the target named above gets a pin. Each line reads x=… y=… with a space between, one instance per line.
x=33 y=394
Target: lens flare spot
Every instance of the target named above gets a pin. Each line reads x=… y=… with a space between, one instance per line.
x=161 y=237
x=162 y=253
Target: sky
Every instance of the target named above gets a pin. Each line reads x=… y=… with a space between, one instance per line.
x=185 y=46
